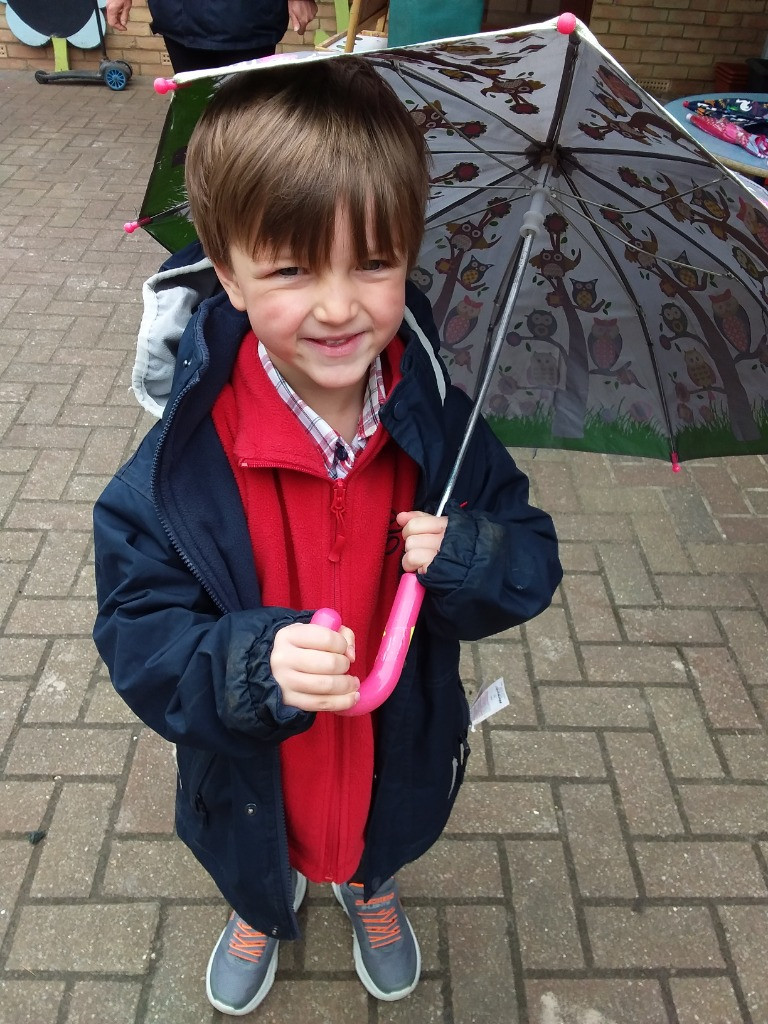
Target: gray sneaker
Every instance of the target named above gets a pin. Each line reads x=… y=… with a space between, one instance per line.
x=387 y=956
x=243 y=962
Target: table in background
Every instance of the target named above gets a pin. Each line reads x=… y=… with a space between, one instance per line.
x=732 y=156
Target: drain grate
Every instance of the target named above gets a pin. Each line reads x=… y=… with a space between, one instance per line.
x=655 y=86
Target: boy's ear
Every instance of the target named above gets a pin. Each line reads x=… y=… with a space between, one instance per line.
x=230 y=284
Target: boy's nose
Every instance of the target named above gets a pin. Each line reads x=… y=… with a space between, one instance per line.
x=336 y=301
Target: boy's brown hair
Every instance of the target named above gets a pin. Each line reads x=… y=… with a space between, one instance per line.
x=278 y=152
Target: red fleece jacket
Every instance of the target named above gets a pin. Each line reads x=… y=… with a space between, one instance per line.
x=320 y=542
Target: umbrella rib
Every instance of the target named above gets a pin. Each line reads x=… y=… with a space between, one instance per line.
x=408 y=81
x=651 y=206
x=642 y=155
x=686 y=239
x=630 y=245
x=564 y=92
x=463 y=202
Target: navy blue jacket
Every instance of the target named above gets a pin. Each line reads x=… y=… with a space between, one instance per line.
x=221 y=24
x=187 y=641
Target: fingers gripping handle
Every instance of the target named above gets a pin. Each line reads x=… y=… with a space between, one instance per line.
x=377 y=686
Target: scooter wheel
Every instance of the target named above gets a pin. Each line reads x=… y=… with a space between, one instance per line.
x=41 y=77
x=114 y=76
x=125 y=66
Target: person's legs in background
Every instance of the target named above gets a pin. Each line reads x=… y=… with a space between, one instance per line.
x=184 y=58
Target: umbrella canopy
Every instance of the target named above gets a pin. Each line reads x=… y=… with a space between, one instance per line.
x=580 y=246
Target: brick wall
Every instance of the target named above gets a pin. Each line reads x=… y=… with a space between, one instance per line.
x=675 y=41
x=680 y=41
x=143 y=51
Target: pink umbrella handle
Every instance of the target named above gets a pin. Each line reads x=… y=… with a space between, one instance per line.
x=383 y=677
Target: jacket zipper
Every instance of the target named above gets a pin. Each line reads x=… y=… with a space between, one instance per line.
x=332 y=839
x=338 y=507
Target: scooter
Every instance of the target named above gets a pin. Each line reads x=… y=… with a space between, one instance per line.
x=115 y=74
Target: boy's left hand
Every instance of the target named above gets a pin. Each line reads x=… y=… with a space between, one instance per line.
x=423 y=534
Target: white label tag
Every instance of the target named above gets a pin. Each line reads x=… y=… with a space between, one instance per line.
x=487 y=702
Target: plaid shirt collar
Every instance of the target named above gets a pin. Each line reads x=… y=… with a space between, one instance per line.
x=338 y=454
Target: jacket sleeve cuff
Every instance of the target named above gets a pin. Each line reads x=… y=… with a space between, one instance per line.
x=253 y=698
x=470 y=539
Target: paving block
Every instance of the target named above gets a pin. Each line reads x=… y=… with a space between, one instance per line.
x=596 y=1001
x=43 y=750
x=669 y=625
x=602 y=865
x=593 y=707
x=30 y=1002
x=130 y=928
x=717 y=677
x=702 y=1000
x=545 y=918
x=150 y=795
x=732 y=808
x=633 y=663
x=159 y=868
x=503 y=807
x=747 y=634
x=61 y=689
x=15 y=855
x=746 y=755
x=682 y=869
x=481 y=963
x=746 y=930
x=551 y=647
x=676 y=937
x=71 y=851
x=177 y=973
x=627 y=575
x=684 y=733
x=646 y=795
x=96 y=1002
x=592 y=614
x=454 y=869
x=545 y=753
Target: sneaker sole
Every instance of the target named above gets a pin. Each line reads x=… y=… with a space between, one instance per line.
x=269 y=978
x=368 y=983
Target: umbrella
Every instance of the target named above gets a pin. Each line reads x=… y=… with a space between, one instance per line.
x=598 y=279
x=730 y=131
x=631 y=313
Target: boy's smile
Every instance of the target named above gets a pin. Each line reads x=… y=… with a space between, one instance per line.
x=322 y=327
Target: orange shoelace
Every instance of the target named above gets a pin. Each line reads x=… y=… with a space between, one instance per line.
x=246 y=942
x=381 y=925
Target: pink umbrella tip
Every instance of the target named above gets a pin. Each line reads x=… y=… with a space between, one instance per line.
x=133 y=225
x=164 y=85
x=566 y=23
x=675 y=463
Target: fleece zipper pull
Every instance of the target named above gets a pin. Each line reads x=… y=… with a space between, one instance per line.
x=338 y=507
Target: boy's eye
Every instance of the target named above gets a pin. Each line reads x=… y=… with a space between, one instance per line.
x=373 y=265
x=288 y=271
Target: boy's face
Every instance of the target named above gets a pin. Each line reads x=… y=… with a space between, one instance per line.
x=322 y=328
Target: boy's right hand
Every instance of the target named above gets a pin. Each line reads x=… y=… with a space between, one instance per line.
x=311 y=665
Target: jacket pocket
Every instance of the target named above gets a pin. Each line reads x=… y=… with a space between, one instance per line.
x=195 y=768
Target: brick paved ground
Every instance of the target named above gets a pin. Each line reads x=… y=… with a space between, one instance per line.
x=608 y=859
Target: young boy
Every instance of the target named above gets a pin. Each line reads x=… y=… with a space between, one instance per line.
x=309 y=429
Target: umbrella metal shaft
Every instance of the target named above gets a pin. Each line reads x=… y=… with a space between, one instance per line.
x=532 y=222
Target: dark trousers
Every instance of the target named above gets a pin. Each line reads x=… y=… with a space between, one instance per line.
x=184 y=58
